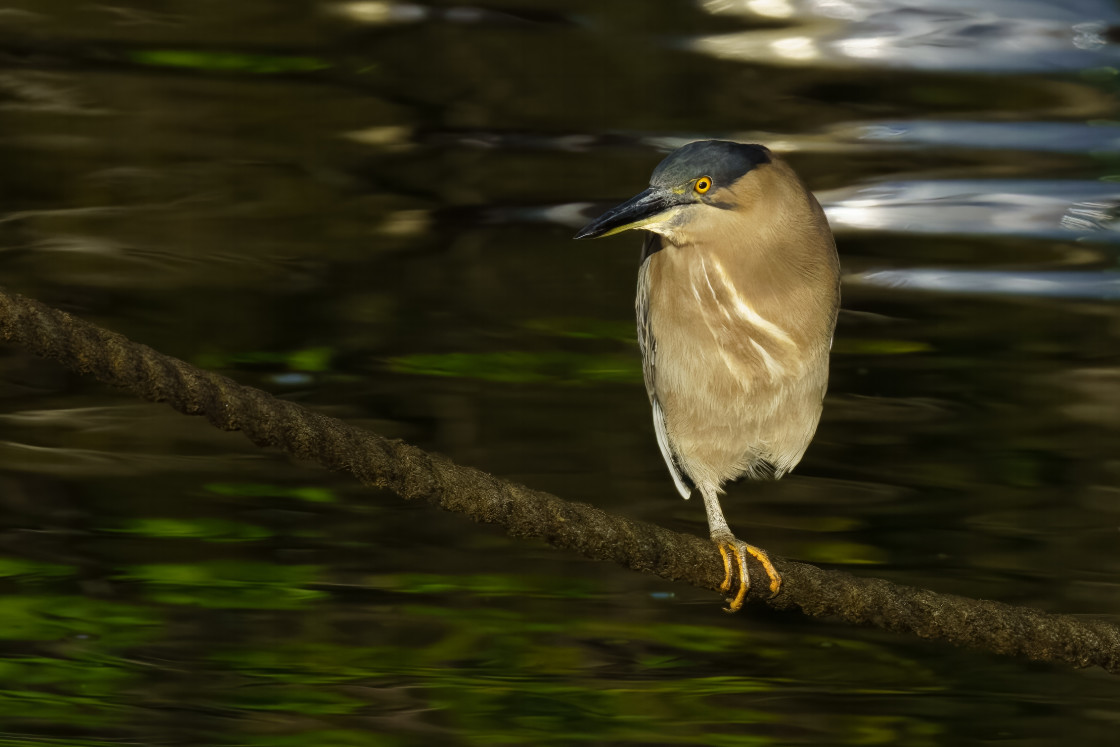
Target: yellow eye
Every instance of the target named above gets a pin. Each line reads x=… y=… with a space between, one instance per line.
x=703 y=184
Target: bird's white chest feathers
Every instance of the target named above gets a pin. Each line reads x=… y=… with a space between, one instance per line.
x=738 y=381
x=711 y=334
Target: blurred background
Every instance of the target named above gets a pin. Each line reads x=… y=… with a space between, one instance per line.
x=367 y=207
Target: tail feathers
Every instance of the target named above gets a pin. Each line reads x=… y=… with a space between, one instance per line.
x=681 y=479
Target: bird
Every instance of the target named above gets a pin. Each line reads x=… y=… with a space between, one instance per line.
x=738 y=294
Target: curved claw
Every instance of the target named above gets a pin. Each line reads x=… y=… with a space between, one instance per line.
x=739 y=550
x=726 y=585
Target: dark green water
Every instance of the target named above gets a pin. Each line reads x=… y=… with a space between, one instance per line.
x=367 y=207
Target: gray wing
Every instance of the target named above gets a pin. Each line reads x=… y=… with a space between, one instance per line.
x=648 y=346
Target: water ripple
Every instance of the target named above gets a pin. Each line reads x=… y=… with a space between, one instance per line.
x=945 y=35
x=1051 y=137
x=1073 y=285
x=1038 y=208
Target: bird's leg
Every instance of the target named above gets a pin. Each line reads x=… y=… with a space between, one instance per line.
x=734 y=551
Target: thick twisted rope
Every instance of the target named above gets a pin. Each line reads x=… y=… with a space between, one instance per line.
x=414 y=474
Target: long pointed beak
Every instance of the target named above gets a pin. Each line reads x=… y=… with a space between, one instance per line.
x=636 y=212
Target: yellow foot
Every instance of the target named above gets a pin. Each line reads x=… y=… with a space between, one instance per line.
x=729 y=548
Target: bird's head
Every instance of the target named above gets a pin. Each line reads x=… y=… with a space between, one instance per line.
x=694 y=178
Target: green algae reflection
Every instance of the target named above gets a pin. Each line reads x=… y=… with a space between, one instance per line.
x=54 y=689
x=492 y=675
x=21 y=569
x=206 y=529
x=307 y=360
x=227 y=584
x=581 y=328
x=514 y=367
x=58 y=617
x=484 y=585
x=261 y=490
x=240 y=62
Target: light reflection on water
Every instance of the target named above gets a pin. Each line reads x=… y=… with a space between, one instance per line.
x=1088 y=285
x=1096 y=139
x=991 y=36
x=1038 y=208
x=367 y=207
